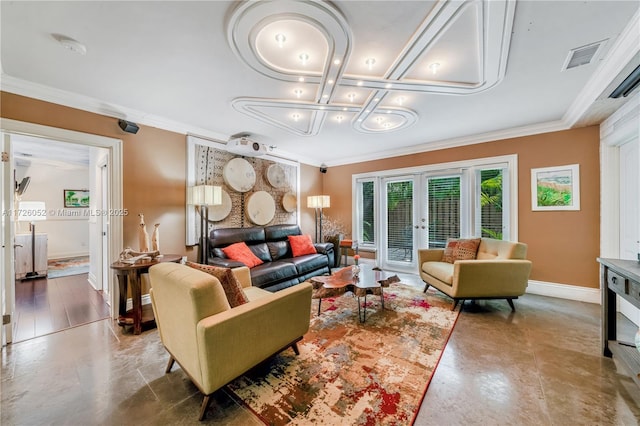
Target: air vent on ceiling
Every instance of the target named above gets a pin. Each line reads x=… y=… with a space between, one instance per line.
x=582 y=55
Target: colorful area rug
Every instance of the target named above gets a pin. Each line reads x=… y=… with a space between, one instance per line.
x=354 y=373
x=70 y=266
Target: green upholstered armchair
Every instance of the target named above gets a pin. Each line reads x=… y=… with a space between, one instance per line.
x=500 y=271
x=214 y=343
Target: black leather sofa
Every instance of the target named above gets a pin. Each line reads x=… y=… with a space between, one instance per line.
x=270 y=243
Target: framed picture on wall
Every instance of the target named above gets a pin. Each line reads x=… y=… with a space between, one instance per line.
x=556 y=188
x=76 y=198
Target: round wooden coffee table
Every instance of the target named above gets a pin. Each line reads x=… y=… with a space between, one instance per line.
x=368 y=281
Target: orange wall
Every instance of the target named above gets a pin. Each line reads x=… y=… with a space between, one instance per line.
x=154 y=166
x=563 y=245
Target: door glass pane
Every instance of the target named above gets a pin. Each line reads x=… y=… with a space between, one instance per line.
x=367 y=207
x=491 y=211
x=443 y=200
x=400 y=221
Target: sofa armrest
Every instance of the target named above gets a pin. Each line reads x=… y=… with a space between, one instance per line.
x=243 y=274
x=225 y=263
x=231 y=342
x=429 y=255
x=324 y=248
x=488 y=278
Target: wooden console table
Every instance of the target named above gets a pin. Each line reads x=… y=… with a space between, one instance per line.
x=129 y=274
x=621 y=277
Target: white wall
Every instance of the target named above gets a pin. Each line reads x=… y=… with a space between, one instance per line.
x=67 y=235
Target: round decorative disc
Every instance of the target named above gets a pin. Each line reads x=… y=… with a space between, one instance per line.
x=261 y=208
x=217 y=213
x=239 y=175
x=289 y=202
x=276 y=176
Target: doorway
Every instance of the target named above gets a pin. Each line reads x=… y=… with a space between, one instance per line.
x=108 y=234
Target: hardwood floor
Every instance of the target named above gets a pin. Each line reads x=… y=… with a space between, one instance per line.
x=45 y=306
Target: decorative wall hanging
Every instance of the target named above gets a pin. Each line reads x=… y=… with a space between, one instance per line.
x=239 y=174
x=261 y=208
x=556 y=188
x=276 y=176
x=206 y=164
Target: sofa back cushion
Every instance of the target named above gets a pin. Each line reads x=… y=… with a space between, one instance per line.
x=278 y=241
x=499 y=249
x=279 y=249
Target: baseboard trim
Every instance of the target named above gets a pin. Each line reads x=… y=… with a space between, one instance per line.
x=564 y=291
x=146 y=300
x=93 y=280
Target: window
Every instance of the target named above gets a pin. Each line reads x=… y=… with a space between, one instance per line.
x=443 y=203
x=490 y=200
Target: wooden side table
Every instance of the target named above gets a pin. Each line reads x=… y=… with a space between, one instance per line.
x=129 y=275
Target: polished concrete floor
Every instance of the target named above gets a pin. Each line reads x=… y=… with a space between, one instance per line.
x=540 y=366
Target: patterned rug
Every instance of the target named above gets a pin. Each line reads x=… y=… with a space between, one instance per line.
x=354 y=373
x=70 y=266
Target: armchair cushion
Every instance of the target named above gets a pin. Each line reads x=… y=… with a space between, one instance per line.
x=460 y=249
x=230 y=284
x=242 y=253
x=301 y=245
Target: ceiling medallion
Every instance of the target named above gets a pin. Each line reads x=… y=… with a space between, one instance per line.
x=253 y=27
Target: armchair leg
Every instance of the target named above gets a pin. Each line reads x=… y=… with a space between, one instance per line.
x=203 y=407
x=513 y=307
x=426 y=287
x=169 y=365
x=294 y=346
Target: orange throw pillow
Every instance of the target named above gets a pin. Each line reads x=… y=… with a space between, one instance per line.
x=230 y=284
x=242 y=253
x=460 y=250
x=301 y=245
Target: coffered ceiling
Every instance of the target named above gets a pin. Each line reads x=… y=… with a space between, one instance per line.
x=325 y=82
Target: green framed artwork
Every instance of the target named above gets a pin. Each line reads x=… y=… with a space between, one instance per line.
x=76 y=198
x=556 y=188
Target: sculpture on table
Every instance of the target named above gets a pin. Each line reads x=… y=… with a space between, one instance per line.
x=155 y=238
x=143 y=235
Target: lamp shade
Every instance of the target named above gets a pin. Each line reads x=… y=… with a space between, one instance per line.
x=31 y=211
x=200 y=195
x=318 y=201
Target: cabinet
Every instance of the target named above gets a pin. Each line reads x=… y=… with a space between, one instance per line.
x=23 y=255
x=622 y=278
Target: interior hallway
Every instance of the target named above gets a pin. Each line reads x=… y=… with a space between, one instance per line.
x=538 y=366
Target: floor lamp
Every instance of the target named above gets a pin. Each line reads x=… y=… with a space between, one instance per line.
x=318 y=202
x=32 y=212
x=204 y=196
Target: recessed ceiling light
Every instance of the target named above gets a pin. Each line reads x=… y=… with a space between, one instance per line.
x=322 y=107
x=280 y=39
x=369 y=63
x=379 y=119
x=367 y=111
x=434 y=67
x=300 y=79
x=351 y=96
x=387 y=86
x=336 y=61
x=339 y=118
x=345 y=108
x=71 y=44
x=389 y=112
x=376 y=99
x=298 y=92
x=325 y=96
x=360 y=83
x=295 y=116
x=330 y=82
x=386 y=125
x=359 y=119
x=304 y=58
x=400 y=100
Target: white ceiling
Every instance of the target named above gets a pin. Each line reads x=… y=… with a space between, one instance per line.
x=212 y=68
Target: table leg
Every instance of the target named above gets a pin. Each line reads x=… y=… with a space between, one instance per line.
x=136 y=298
x=319 y=304
x=122 y=286
x=382 y=296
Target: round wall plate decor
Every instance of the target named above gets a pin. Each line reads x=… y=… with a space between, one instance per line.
x=217 y=213
x=289 y=202
x=261 y=208
x=276 y=176
x=239 y=175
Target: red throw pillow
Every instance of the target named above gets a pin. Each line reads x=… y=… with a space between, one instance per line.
x=242 y=253
x=301 y=245
x=230 y=284
x=460 y=250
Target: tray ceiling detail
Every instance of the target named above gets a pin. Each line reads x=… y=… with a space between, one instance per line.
x=460 y=48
